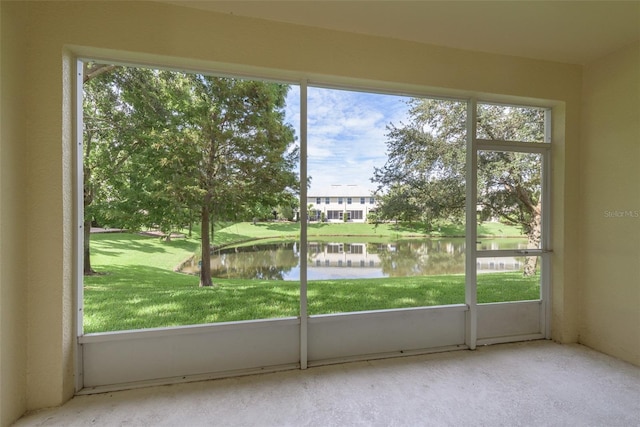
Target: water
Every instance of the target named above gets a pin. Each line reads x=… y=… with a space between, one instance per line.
x=339 y=260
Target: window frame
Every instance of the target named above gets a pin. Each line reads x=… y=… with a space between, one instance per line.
x=469 y=310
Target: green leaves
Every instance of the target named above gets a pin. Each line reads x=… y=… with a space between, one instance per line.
x=424 y=177
x=161 y=146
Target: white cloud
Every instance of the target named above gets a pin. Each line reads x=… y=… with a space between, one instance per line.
x=346 y=133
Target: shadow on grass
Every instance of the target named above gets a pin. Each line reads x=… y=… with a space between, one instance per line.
x=339 y=296
x=113 y=244
x=137 y=297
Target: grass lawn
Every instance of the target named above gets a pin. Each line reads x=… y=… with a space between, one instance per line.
x=137 y=287
x=245 y=231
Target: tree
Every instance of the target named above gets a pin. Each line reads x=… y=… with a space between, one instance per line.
x=426 y=168
x=424 y=176
x=245 y=152
x=176 y=144
x=123 y=111
x=98 y=101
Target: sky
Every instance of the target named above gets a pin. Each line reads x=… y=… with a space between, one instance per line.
x=346 y=133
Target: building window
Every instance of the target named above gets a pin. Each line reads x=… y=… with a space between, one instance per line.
x=356 y=249
x=347 y=214
x=349 y=200
x=355 y=215
x=334 y=248
x=371 y=200
x=334 y=214
x=327 y=200
x=339 y=200
x=362 y=200
x=318 y=200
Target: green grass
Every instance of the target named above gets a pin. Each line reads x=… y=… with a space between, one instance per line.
x=245 y=231
x=137 y=287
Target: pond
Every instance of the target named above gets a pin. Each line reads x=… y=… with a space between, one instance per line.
x=342 y=260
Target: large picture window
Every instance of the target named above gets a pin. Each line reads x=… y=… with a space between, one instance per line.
x=193 y=204
x=233 y=224
x=190 y=198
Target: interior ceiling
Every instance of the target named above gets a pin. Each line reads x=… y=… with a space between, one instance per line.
x=575 y=32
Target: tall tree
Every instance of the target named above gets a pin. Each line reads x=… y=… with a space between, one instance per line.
x=424 y=177
x=122 y=110
x=240 y=154
x=176 y=144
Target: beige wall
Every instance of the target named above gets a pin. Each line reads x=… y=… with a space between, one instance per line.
x=610 y=206
x=13 y=271
x=181 y=37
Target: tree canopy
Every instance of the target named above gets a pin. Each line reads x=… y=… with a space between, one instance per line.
x=424 y=177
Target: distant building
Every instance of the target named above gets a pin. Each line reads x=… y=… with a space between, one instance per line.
x=332 y=203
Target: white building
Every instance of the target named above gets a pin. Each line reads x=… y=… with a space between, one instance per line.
x=332 y=203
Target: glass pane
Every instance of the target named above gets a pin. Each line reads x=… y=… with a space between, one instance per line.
x=510 y=123
x=393 y=169
x=509 y=197
x=198 y=175
x=503 y=279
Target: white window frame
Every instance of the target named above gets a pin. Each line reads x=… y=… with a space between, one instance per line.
x=124 y=359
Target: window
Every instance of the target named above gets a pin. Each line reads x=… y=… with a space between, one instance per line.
x=356 y=249
x=334 y=215
x=261 y=273
x=355 y=215
x=157 y=193
x=334 y=248
x=511 y=123
x=351 y=115
x=148 y=183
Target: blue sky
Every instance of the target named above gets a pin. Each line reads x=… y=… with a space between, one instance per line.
x=346 y=133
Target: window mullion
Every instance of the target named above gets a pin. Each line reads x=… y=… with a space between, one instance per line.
x=471 y=298
x=303 y=225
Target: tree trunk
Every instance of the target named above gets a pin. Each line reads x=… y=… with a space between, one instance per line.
x=205 y=267
x=87 y=248
x=535 y=235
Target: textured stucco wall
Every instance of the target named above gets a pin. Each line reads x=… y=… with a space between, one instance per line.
x=13 y=195
x=610 y=206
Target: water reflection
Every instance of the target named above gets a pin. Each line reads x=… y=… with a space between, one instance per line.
x=335 y=260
